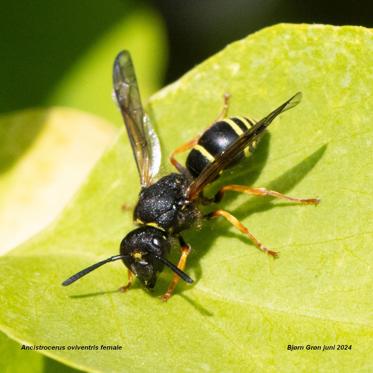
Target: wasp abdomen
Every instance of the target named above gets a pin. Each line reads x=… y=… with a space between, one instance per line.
x=215 y=141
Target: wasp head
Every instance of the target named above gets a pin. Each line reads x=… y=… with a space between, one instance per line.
x=142 y=249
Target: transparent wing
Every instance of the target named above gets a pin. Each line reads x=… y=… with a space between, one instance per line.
x=154 y=148
x=220 y=163
x=144 y=141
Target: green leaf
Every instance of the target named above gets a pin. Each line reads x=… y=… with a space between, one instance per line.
x=245 y=308
x=39 y=176
x=15 y=360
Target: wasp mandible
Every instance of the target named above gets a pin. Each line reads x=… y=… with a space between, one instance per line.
x=169 y=205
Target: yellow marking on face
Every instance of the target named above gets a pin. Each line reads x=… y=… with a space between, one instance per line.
x=235 y=127
x=137 y=255
x=204 y=152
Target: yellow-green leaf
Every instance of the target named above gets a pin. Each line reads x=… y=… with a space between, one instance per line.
x=15 y=359
x=40 y=175
x=244 y=309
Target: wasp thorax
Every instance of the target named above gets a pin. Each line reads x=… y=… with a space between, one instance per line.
x=141 y=248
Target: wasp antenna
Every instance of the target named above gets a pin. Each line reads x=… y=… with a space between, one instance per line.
x=178 y=271
x=91 y=268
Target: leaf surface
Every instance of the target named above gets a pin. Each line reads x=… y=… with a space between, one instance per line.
x=38 y=176
x=16 y=360
x=245 y=308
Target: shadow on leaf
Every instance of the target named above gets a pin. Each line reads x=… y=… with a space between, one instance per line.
x=203 y=240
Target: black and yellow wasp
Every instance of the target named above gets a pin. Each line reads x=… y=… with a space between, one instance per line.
x=171 y=204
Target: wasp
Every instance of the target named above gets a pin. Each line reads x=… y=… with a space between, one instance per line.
x=169 y=205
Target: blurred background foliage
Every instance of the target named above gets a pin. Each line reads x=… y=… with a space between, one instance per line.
x=198 y=28
x=61 y=52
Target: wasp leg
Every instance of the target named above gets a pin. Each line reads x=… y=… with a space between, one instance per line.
x=124 y=288
x=224 y=111
x=185 y=251
x=189 y=145
x=263 y=192
x=237 y=224
x=181 y=149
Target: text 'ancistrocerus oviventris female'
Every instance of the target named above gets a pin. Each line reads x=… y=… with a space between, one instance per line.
x=169 y=205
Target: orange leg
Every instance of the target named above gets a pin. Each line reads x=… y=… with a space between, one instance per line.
x=185 y=251
x=191 y=143
x=237 y=224
x=224 y=111
x=181 y=149
x=264 y=192
x=124 y=288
